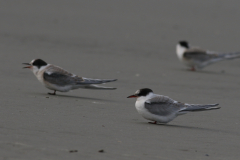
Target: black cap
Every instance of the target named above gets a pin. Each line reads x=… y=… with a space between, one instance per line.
x=184 y=44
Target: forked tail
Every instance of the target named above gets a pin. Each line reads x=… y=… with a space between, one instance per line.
x=231 y=55
x=220 y=57
x=199 y=107
x=93 y=86
x=95 y=81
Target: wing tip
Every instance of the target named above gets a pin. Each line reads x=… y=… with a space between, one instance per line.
x=109 y=80
x=108 y=88
x=214 y=106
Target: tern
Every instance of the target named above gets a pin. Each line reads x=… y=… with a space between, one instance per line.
x=162 y=109
x=58 y=79
x=196 y=58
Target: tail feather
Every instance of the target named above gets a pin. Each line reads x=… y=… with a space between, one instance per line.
x=96 y=81
x=232 y=55
x=97 y=87
x=220 y=57
x=199 y=107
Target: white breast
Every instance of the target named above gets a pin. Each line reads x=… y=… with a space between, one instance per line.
x=180 y=51
x=140 y=106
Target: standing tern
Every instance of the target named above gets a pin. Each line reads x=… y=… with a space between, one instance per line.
x=58 y=79
x=162 y=109
x=196 y=58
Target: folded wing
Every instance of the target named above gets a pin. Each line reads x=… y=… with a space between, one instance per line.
x=198 y=55
x=61 y=79
x=163 y=106
x=203 y=58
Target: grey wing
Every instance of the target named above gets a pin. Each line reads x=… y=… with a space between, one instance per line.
x=163 y=106
x=198 y=55
x=61 y=79
x=202 y=58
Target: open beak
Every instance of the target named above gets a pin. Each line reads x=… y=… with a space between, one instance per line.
x=27 y=66
x=132 y=96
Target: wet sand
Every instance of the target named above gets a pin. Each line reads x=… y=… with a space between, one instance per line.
x=133 y=41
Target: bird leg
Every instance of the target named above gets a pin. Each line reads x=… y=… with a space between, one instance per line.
x=193 y=69
x=54 y=93
x=155 y=122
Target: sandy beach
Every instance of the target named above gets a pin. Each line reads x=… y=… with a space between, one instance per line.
x=133 y=41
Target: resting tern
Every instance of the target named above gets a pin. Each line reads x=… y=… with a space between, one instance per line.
x=197 y=58
x=162 y=109
x=58 y=79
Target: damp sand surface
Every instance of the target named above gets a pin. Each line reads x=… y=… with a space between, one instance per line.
x=133 y=41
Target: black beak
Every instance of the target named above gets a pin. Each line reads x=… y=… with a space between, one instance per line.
x=27 y=64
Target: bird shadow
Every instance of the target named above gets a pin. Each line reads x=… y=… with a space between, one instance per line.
x=187 y=127
x=193 y=128
x=209 y=72
x=202 y=71
x=73 y=97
